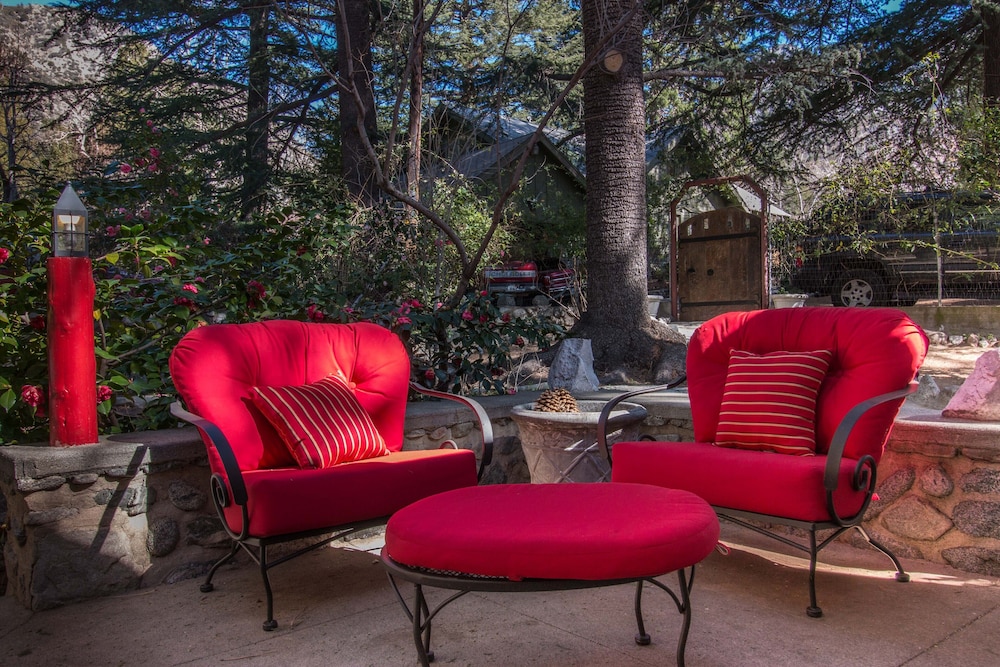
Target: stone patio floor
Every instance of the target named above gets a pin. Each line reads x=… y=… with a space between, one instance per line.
x=335 y=607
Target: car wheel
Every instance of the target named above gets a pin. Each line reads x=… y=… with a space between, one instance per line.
x=859 y=290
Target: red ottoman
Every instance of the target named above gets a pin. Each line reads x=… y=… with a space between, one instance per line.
x=531 y=537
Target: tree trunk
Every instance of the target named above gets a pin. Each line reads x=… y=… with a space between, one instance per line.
x=358 y=172
x=416 y=104
x=257 y=171
x=991 y=54
x=624 y=339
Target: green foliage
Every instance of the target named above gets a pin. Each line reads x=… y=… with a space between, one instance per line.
x=166 y=260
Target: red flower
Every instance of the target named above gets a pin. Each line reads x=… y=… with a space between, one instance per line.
x=186 y=302
x=37 y=322
x=256 y=293
x=403 y=320
x=104 y=393
x=33 y=395
x=519 y=341
x=189 y=287
x=315 y=314
x=125 y=168
x=429 y=374
x=467 y=316
x=4 y=255
x=505 y=317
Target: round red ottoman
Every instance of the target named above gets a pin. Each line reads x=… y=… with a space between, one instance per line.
x=519 y=537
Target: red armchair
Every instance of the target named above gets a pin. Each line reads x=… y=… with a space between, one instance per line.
x=824 y=383
x=251 y=389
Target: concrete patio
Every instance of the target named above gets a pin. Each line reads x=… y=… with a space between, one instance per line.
x=335 y=607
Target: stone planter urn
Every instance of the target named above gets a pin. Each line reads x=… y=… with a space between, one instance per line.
x=562 y=446
x=788 y=300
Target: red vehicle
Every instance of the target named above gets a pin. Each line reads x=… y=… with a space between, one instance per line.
x=526 y=281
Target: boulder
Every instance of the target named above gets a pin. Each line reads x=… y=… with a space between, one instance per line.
x=573 y=367
x=979 y=396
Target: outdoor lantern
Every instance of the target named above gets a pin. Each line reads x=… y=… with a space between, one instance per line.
x=69 y=225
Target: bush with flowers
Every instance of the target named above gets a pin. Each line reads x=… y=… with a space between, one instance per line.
x=167 y=258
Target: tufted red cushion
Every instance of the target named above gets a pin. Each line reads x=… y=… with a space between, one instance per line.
x=321 y=423
x=781 y=486
x=769 y=401
x=591 y=532
x=289 y=500
x=215 y=369
x=875 y=350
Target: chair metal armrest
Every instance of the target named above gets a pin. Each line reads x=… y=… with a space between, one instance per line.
x=485 y=425
x=839 y=441
x=605 y=416
x=215 y=435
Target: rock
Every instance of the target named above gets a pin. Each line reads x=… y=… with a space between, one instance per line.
x=573 y=367
x=914 y=519
x=186 y=497
x=979 y=396
x=974 y=559
x=163 y=536
x=956 y=340
x=978 y=518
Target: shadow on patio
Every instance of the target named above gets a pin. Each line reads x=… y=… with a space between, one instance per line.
x=335 y=607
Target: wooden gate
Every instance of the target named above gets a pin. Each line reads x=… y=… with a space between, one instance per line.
x=719 y=260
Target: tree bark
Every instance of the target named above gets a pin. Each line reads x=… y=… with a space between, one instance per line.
x=358 y=171
x=624 y=339
x=991 y=54
x=257 y=172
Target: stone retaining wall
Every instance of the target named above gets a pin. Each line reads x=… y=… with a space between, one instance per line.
x=134 y=511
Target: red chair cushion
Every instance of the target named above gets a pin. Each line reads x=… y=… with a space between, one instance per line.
x=321 y=423
x=769 y=401
x=591 y=532
x=290 y=500
x=215 y=369
x=875 y=350
x=781 y=486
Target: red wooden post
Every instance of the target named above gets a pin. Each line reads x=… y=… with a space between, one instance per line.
x=72 y=363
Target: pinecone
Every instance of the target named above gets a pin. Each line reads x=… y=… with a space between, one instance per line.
x=556 y=400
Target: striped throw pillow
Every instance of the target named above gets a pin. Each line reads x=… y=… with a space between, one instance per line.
x=769 y=401
x=322 y=423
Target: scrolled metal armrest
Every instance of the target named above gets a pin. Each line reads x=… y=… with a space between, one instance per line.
x=485 y=425
x=605 y=416
x=864 y=473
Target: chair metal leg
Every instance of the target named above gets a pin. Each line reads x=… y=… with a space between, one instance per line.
x=901 y=575
x=813 y=610
x=207 y=586
x=270 y=623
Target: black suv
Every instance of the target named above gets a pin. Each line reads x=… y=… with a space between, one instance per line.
x=893 y=252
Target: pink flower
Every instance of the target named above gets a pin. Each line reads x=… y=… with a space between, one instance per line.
x=467 y=316
x=142 y=109
x=189 y=287
x=505 y=317
x=403 y=320
x=104 y=393
x=149 y=123
x=152 y=167
x=125 y=168
x=4 y=255
x=112 y=230
x=154 y=151
x=512 y=391
x=207 y=241
x=519 y=341
x=484 y=293
x=32 y=395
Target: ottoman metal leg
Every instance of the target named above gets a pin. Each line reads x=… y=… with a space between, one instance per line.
x=683 y=602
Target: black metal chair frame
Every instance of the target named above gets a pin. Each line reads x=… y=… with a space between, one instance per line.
x=864 y=478
x=421 y=614
x=235 y=492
